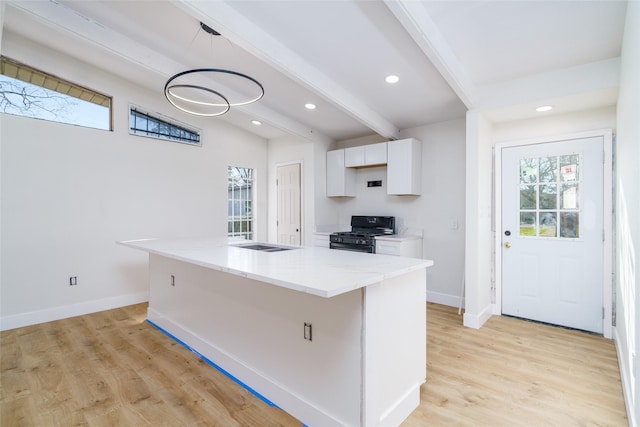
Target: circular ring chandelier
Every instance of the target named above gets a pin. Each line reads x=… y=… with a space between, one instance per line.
x=189 y=91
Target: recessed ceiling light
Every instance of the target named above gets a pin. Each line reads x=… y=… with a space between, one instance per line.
x=392 y=79
x=256 y=122
x=544 y=108
x=310 y=106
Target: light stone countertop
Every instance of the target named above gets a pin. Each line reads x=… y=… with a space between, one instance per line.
x=318 y=271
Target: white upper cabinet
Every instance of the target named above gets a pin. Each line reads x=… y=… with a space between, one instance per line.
x=354 y=156
x=366 y=155
x=341 y=181
x=404 y=167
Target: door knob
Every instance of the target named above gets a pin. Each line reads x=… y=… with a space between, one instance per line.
x=507 y=245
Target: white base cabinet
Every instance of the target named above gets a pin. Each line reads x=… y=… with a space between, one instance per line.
x=321 y=240
x=407 y=247
x=363 y=367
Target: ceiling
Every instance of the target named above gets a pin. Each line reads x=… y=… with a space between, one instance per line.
x=500 y=57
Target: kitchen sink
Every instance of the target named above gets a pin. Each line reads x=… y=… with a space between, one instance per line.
x=265 y=248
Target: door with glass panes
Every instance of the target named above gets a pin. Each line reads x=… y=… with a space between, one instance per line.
x=552 y=232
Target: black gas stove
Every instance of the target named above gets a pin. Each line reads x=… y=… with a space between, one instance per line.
x=362 y=237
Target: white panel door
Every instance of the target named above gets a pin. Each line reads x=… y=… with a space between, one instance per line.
x=289 y=218
x=552 y=233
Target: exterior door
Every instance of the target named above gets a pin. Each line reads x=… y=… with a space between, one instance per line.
x=289 y=218
x=553 y=233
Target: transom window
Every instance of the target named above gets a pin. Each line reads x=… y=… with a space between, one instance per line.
x=550 y=196
x=152 y=125
x=27 y=91
x=240 y=188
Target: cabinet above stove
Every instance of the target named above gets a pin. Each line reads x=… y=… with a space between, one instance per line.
x=403 y=160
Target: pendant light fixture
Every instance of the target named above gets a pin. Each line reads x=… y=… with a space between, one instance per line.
x=199 y=91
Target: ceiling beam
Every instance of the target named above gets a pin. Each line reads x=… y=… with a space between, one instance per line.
x=64 y=19
x=416 y=20
x=246 y=34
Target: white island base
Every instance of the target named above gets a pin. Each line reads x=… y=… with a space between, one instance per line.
x=361 y=364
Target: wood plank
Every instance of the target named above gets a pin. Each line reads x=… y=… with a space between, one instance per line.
x=513 y=372
x=113 y=368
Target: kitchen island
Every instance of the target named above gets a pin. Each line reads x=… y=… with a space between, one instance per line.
x=334 y=338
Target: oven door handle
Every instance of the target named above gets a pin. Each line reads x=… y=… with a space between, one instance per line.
x=347 y=247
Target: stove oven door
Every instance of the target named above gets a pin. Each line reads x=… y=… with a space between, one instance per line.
x=371 y=249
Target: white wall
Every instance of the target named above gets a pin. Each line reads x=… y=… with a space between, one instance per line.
x=478 y=238
x=286 y=150
x=69 y=193
x=627 y=329
x=440 y=205
x=555 y=125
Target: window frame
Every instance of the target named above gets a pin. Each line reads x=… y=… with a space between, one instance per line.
x=558 y=210
x=50 y=82
x=159 y=117
x=231 y=202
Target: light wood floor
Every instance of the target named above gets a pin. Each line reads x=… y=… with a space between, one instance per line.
x=114 y=369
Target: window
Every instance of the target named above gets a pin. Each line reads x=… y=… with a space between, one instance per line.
x=146 y=124
x=550 y=196
x=26 y=91
x=240 y=202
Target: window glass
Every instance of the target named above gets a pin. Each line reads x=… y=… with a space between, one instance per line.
x=528 y=170
x=240 y=213
x=550 y=196
x=152 y=125
x=528 y=196
x=26 y=91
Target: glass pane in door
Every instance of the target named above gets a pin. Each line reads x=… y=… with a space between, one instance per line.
x=527 y=223
x=528 y=196
x=548 y=169
x=548 y=196
x=569 y=196
x=570 y=167
x=570 y=224
x=547 y=224
x=528 y=170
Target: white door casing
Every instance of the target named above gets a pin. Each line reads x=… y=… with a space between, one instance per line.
x=289 y=227
x=548 y=273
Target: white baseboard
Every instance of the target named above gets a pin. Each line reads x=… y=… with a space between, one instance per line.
x=63 y=312
x=625 y=376
x=444 y=299
x=476 y=321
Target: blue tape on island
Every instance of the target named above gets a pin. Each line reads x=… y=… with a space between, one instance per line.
x=209 y=362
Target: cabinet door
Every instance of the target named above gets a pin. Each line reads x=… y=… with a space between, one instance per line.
x=375 y=154
x=321 y=240
x=340 y=180
x=354 y=156
x=388 y=248
x=408 y=248
x=404 y=165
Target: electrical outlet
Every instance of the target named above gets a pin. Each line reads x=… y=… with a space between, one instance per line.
x=73 y=280
x=308 y=331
